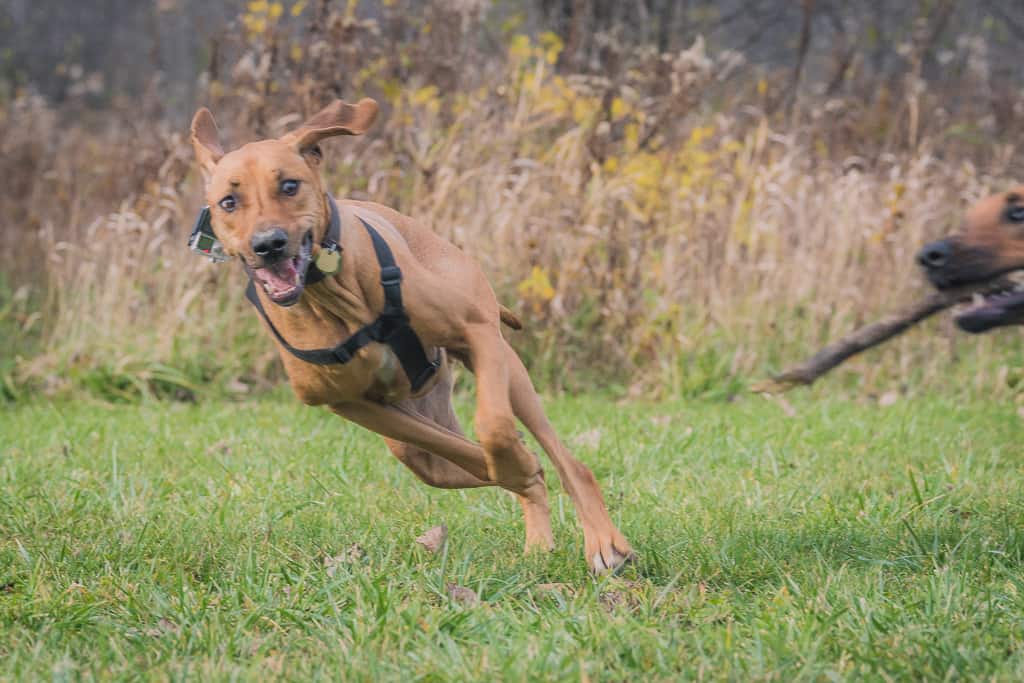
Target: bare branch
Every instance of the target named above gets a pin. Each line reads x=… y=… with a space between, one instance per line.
x=860 y=340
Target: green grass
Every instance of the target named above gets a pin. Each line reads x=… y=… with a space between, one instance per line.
x=848 y=542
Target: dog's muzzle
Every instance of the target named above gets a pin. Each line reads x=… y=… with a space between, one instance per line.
x=281 y=277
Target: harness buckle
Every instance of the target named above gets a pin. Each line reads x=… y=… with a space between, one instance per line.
x=390 y=276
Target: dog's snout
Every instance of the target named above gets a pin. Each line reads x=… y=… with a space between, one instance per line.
x=935 y=256
x=270 y=244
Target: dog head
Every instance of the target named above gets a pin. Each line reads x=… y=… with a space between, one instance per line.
x=990 y=245
x=266 y=198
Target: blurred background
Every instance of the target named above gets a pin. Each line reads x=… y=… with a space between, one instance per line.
x=678 y=196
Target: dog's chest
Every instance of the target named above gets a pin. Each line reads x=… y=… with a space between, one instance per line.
x=373 y=373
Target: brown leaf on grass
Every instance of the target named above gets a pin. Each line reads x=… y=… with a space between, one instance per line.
x=630 y=595
x=1020 y=412
x=274 y=663
x=551 y=589
x=223 y=447
x=353 y=553
x=463 y=595
x=433 y=540
x=236 y=386
x=588 y=439
x=162 y=628
x=612 y=599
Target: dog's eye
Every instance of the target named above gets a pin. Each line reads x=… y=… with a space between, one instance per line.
x=1015 y=214
x=289 y=187
x=228 y=203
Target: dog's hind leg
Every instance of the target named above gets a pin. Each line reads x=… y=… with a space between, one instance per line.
x=606 y=547
x=509 y=461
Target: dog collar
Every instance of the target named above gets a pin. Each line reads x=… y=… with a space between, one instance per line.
x=328 y=260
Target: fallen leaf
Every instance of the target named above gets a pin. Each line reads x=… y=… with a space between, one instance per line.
x=236 y=386
x=888 y=398
x=463 y=595
x=353 y=553
x=163 y=627
x=612 y=599
x=588 y=439
x=433 y=540
x=222 y=447
x=549 y=589
x=275 y=663
x=629 y=597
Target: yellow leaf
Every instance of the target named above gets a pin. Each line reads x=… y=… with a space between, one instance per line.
x=298 y=7
x=537 y=286
x=258 y=6
x=552 y=45
x=619 y=108
x=424 y=95
x=519 y=48
x=632 y=135
x=276 y=10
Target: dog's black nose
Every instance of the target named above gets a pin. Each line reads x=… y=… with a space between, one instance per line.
x=270 y=244
x=935 y=256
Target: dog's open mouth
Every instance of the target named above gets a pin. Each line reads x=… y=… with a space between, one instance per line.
x=1002 y=304
x=283 y=281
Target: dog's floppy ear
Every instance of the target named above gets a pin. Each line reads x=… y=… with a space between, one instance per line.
x=337 y=118
x=206 y=140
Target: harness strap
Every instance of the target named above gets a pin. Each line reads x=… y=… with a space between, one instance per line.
x=391 y=327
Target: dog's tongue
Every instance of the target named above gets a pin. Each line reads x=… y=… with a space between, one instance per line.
x=281 y=277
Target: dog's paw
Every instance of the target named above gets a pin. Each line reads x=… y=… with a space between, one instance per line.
x=611 y=554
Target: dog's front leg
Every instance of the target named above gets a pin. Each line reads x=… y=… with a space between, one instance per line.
x=402 y=424
x=407 y=426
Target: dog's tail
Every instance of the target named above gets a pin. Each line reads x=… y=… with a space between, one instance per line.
x=510 y=319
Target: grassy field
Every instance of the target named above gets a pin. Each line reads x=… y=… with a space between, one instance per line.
x=836 y=540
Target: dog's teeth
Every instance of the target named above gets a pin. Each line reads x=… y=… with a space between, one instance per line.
x=978 y=299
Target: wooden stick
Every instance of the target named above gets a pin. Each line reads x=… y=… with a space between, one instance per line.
x=859 y=340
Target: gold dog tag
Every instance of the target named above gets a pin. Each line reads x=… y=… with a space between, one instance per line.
x=329 y=259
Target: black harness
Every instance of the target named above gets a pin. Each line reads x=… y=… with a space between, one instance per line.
x=391 y=327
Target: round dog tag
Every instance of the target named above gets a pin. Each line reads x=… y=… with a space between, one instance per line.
x=329 y=260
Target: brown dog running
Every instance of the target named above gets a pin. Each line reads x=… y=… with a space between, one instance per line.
x=268 y=207
x=989 y=247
